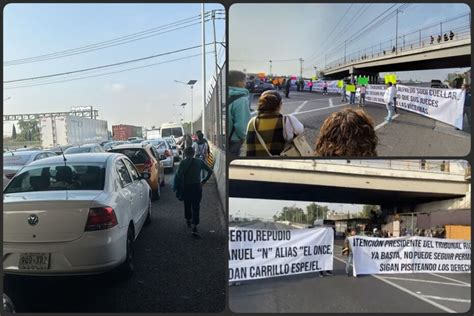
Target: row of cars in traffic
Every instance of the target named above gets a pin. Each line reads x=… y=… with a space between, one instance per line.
x=79 y=210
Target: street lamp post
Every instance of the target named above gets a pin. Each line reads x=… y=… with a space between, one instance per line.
x=183 y=105
x=190 y=83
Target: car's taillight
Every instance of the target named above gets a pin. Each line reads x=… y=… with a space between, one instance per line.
x=10 y=175
x=167 y=153
x=148 y=164
x=100 y=218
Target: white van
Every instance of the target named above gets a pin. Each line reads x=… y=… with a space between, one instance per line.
x=172 y=129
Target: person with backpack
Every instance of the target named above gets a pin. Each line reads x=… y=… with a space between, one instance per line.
x=238 y=110
x=270 y=130
x=188 y=184
x=201 y=147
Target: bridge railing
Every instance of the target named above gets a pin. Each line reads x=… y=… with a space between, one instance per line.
x=427 y=37
x=431 y=166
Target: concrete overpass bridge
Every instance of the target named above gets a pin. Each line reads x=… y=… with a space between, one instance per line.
x=414 y=51
x=400 y=184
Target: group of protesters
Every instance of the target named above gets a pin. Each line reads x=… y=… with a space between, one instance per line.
x=349 y=132
x=446 y=37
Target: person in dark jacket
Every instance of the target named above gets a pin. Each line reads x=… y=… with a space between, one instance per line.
x=287 y=87
x=238 y=111
x=189 y=172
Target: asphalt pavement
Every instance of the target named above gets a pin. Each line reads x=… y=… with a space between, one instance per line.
x=409 y=134
x=394 y=293
x=174 y=271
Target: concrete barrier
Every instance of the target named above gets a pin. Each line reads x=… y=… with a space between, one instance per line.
x=220 y=175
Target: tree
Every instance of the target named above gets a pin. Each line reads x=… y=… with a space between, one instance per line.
x=292 y=214
x=29 y=130
x=316 y=211
x=14 y=132
x=369 y=211
x=187 y=127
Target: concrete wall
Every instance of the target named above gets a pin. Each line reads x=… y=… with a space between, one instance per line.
x=219 y=173
x=452 y=204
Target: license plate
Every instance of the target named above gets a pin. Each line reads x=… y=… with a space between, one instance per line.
x=34 y=261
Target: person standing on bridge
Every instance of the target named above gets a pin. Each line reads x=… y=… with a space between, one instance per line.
x=388 y=99
x=239 y=111
x=188 y=186
x=270 y=131
x=287 y=87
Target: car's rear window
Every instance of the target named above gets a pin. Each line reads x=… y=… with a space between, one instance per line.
x=175 y=131
x=16 y=159
x=78 y=176
x=136 y=155
x=78 y=150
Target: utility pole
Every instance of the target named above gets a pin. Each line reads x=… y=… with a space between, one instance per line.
x=270 y=67
x=315 y=72
x=203 y=52
x=217 y=86
x=396 y=34
x=301 y=67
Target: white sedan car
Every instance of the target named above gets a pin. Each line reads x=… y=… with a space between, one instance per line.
x=79 y=216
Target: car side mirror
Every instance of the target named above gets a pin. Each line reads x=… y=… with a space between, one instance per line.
x=162 y=157
x=145 y=175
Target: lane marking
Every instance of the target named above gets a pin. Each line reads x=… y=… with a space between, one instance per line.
x=385 y=122
x=330 y=103
x=450 y=279
x=426 y=281
x=320 y=109
x=448 y=299
x=427 y=300
x=300 y=107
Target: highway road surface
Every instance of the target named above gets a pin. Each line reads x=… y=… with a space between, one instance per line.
x=174 y=271
x=409 y=134
x=394 y=293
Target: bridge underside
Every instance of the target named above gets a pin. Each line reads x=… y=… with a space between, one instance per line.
x=424 y=64
x=329 y=194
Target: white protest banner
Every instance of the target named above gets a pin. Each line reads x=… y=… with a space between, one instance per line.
x=410 y=255
x=319 y=84
x=262 y=253
x=445 y=105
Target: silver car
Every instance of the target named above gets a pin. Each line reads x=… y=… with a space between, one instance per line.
x=174 y=147
x=164 y=149
x=13 y=161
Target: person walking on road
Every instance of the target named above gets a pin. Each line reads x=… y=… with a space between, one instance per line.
x=188 y=185
x=395 y=98
x=467 y=104
x=287 y=87
x=344 y=96
x=347 y=251
x=269 y=131
x=388 y=99
x=310 y=85
x=353 y=94
x=362 y=95
x=325 y=88
x=201 y=147
x=239 y=111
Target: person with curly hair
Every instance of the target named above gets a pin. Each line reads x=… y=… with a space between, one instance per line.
x=347 y=133
x=269 y=131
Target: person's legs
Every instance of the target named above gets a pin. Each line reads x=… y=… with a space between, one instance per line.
x=187 y=210
x=196 y=203
x=234 y=148
x=388 y=118
x=348 y=263
x=395 y=105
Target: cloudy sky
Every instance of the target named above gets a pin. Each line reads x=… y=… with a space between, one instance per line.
x=144 y=96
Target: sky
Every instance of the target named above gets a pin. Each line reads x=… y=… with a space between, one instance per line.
x=142 y=97
x=267 y=208
x=286 y=32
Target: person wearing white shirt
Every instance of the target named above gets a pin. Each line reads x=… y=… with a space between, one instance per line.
x=390 y=93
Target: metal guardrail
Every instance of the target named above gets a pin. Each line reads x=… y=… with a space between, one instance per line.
x=432 y=166
x=215 y=111
x=411 y=41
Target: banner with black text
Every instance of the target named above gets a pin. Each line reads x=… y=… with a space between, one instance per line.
x=410 y=255
x=263 y=253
